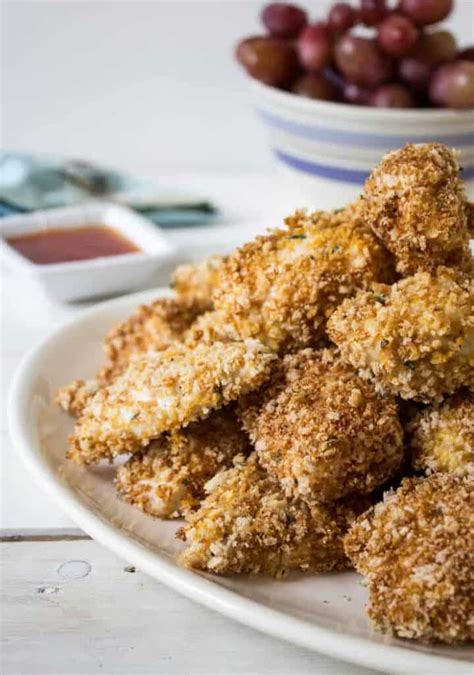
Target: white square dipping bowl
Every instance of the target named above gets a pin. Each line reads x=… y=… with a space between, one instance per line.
x=81 y=279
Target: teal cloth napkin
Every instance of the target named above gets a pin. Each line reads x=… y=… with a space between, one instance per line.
x=30 y=183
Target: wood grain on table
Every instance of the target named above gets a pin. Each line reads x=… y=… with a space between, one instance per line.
x=70 y=606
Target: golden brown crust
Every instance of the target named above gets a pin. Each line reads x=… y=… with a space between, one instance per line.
x=210 y=327
x=151 y=328
x=248 y=526
x=194 y=282
x=284 y=371
x=415 y=202
x=328 y=434
x=442 y=436
x=167 y=479
x=164 y=391
x=281 y=288
x=415 y=338
x=72 y=398
x=416 y=549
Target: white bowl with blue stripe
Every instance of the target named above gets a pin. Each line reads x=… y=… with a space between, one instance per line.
x=329 y=148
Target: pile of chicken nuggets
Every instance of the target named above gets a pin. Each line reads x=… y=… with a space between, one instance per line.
x=307 y=402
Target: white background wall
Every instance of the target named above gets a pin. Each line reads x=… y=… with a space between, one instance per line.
x=144 y=85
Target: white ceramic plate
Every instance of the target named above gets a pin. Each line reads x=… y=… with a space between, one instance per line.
x=324 y=613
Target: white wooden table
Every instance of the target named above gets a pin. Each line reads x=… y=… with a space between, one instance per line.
x=69 y=605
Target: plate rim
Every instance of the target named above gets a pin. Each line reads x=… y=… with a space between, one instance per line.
x=357 y=649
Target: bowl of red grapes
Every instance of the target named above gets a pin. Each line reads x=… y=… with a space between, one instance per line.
x=339 y=90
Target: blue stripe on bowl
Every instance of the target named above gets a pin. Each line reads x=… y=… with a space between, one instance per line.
x=360 y=139
x=322 y=170
x=337 y=173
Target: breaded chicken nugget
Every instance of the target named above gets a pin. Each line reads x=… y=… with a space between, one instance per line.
x=442 y=436
x=247 y=525
x=151 y=328
x=194 y=282
x=209 y=328
x=281 y=288
x=167 y=479
x=415 y=202
x=164 y=391
x=72 y=398
x=328 y=434
x=415 y=338
x=416 y=549
x=284 y=371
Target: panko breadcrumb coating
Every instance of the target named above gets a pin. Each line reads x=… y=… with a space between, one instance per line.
x=164 y=391
x=282 y=287
x=443 y=436
x=416 y=549
x=72 y=398
x=328 y=434
x=415 y=338
x=167 y=479
x=248 y=525
x=195 y=282
x=209 y=328
x=415 y=202
x=284 y=371
x=151 y=328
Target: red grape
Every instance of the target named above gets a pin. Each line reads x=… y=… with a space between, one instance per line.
x=371 y=12
x=284 y=20
x=341 y=17
x=466 y=54
x=415 y=73
x=431 y=50
x=268 y=59
x=424 y=12
x=452 y=85
x=392 y=96
x=402 y=66
x=361 y=61
x=435 y=48
x=397 y=35
x=315 y=47
x=356 y=95
x=315 y=85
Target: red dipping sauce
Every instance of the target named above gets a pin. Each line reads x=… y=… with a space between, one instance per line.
x=68 y=244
